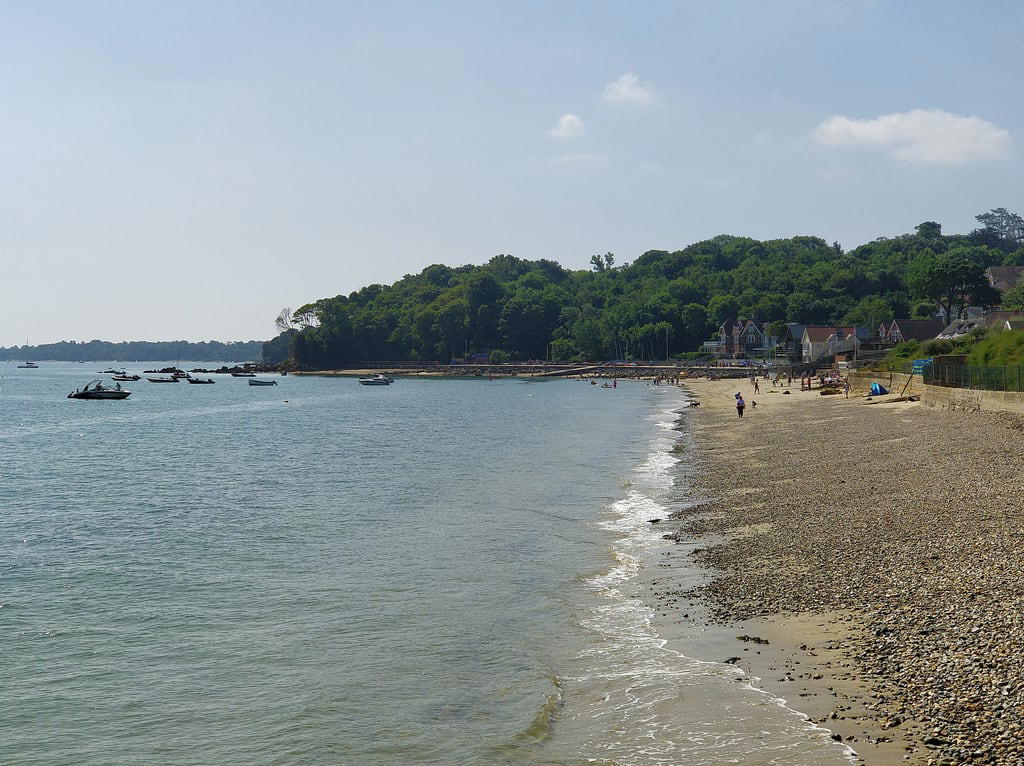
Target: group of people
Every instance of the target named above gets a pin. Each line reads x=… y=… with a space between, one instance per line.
x=827 y=379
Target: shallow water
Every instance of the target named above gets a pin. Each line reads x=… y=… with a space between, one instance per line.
x=436 y=572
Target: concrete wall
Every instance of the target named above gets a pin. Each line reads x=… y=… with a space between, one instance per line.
x=966 y=400
x=940 y=397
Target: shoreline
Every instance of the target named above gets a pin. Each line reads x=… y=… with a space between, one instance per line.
x=876 y=548
x=807 y=660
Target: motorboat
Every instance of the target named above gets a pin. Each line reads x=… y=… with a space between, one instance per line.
x=113 y=372
x=96 y=390
x=122 y=376
x=254 y=382
x=28 y=366
x=162 y=380
x=376 y=380
x=199 y=381
x=243 y=375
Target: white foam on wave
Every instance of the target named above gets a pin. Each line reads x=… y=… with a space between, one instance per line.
x=658 y=700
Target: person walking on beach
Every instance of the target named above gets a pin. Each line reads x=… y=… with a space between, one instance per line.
x=757 y=388
x=740 y=404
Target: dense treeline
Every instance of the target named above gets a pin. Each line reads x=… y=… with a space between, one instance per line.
x=537 y=309
x=138 y=351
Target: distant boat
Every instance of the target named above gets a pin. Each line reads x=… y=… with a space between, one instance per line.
x=243 y=375
x=28 y=366
x=376 y=380
x=99 y=391
x=113 y=372
x=122 y=376
x=199 y=381
x=162 y=380
x=254 y=382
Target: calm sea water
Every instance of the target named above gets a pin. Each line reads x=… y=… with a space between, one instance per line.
x=436 y=572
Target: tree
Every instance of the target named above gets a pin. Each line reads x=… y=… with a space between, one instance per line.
x=1013 y=299
x=922 y=310
x=929 y=230
x=722 y=308
x=497 y=357
x=283 y=323
x=1006 y=226
x=952 y=281
x=602 y=263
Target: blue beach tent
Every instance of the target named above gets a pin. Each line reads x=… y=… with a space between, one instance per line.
x=877 y=389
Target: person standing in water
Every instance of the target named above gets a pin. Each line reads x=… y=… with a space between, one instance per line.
x=740 y=404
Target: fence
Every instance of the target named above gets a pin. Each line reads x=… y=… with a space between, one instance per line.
x=975 y=377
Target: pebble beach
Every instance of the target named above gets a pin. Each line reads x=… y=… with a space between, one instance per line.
x=878 y=549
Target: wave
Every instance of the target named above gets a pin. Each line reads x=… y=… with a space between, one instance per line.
x=632 y=699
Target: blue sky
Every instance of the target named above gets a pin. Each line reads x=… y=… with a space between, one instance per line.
x=185 y=170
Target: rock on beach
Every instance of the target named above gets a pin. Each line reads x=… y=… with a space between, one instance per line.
x=909 y=520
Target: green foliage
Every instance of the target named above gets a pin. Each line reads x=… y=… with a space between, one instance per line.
x=498 y=357
x=1013 y=299
x=922 y=310
x=999 y=349
x=138 y=351
x=617 y=311
x=953 y=280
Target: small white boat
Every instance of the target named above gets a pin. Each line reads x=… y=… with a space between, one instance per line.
x=28 y=366
x=99 y=391
x=255 y=382
x=376 y=380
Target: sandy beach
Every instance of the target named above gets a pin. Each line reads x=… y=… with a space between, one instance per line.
x=877 y=548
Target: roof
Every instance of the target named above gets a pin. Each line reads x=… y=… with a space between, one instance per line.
x=918 y=329
x=994 y=318
x=959 y=327
x=795 y=331
x=821 y=333
x=1003 y=278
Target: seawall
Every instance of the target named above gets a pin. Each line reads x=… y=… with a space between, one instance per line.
x=941 y=397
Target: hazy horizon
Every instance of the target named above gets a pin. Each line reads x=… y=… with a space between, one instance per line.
x=185 y=171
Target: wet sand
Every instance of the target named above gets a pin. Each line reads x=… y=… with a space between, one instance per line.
x=877 y=549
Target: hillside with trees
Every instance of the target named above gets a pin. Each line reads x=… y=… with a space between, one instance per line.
x=137 y=351
x=539 y=310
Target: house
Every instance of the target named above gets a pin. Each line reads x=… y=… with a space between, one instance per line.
x=998 y=319
x=960 y=327
x=827 y=340
x=902 y=330
x=739 y=338
x=790 y=343
x=1004 y=278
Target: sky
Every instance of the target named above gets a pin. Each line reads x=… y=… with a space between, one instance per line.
x=186 y=170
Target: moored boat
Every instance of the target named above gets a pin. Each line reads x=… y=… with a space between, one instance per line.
x=122 y=376
x=99 y=391
x=243 y=375
x=254 y=382
x=162 y=380
x=28 y=366
x=376 y=380
x=199 y=381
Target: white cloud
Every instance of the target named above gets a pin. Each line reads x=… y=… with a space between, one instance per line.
x=580 y=158
x=569 y=126
x=928 y=136
x=628 y=90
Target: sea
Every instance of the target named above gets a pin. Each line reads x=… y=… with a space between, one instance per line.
x=455 y=571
